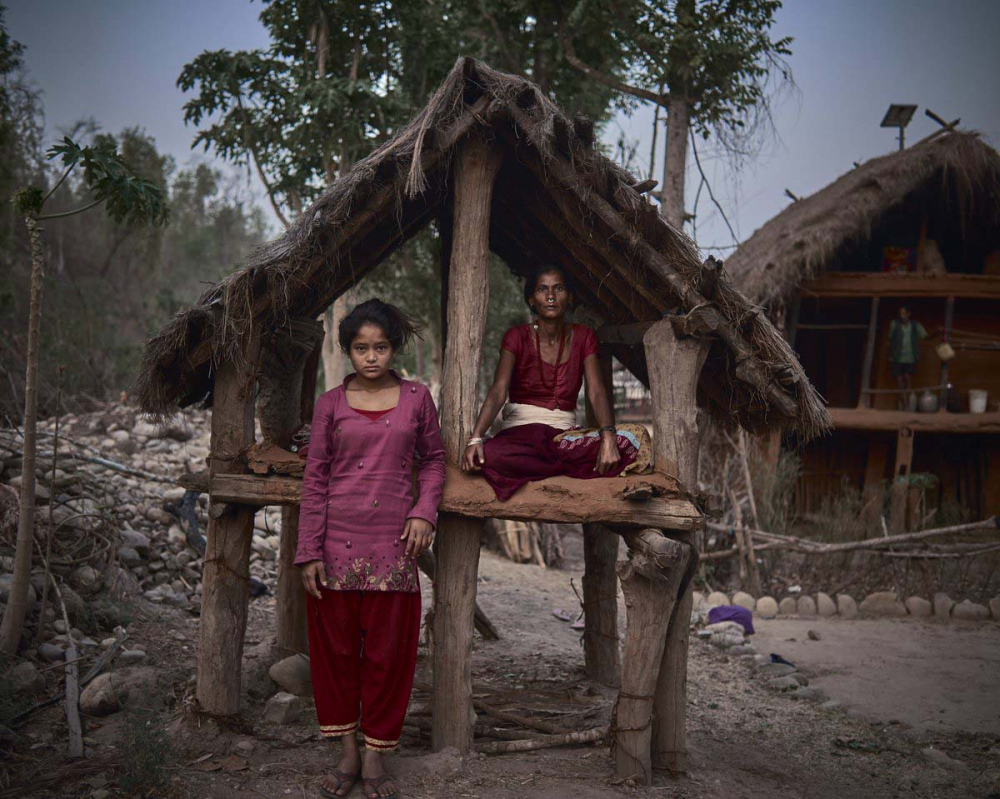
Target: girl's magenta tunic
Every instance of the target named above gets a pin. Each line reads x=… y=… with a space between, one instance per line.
x=357 y=490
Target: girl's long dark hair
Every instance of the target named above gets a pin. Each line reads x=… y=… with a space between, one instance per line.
x=531 y=280
x=397 y=326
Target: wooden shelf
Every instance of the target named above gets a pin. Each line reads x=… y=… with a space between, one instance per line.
x=942 y=422
x=874 y=284
x=651 y=500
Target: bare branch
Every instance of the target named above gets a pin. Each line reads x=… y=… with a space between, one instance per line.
x=574 y=61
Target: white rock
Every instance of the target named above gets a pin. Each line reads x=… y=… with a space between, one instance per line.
x=943 y=605
x=767 y=607
x=883 y=603
x=788 y=606
x=939 y=758
x=715 y=599
x=103 y=696
x=24 y=678
x=806 y=606
x=86 y=578
x=292 y=674
x=6 y=581
x=918 y=606
x=846 y=606
x=282 y=708
x=825 y=606
x=131 y=656
x=970 y=611
x=744 y=600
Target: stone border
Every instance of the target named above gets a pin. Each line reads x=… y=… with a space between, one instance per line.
x=881 y=604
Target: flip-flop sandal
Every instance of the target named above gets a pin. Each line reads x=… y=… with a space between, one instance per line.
x=375 y=784
x=578 y=624
x=344 y=780
x=562 y=615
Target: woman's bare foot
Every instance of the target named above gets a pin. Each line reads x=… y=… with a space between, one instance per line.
x=377 y=782
x=350 y=764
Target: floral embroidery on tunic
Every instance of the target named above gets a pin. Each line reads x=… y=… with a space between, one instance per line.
x=361 y=575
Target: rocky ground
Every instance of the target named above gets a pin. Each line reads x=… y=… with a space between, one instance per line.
x=138 y=596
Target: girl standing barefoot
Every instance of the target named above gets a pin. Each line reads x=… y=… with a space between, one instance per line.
x=360 y=533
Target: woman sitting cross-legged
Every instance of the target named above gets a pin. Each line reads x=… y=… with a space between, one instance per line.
x=541 y=369
x=359 y=537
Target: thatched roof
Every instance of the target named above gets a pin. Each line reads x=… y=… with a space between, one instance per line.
x=556 y=199
x=952 y=173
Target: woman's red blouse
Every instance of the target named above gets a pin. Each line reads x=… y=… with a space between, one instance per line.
x=561 y=382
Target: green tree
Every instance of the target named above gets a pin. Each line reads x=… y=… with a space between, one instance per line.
x=712 y=65
x=127 y=198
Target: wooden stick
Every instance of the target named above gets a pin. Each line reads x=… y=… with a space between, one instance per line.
x=806 y=545
x=75 y=747
x=504 y=747
x=524 y=721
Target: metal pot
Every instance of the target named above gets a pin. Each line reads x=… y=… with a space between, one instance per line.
x=928 y=402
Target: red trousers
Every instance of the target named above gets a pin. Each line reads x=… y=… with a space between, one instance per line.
x=362 y=654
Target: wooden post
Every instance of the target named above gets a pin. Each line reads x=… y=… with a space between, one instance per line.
x=864 y=399
x=674 y=368
x=650 y=579
x=285 y=399
x=602 y=659
x=457 y=547
x=225 y=575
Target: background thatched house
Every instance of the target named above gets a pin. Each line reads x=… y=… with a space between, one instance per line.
x=919 y=227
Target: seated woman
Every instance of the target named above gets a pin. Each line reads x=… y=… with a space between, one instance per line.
x=542 y=366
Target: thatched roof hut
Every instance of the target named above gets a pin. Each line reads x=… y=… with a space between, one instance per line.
x=951 y=178
x=556 y=199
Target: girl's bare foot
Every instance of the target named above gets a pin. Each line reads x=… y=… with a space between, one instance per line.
x=378 y=783
x=348 y=770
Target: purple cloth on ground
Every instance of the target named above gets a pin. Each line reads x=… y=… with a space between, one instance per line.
x=741 y=616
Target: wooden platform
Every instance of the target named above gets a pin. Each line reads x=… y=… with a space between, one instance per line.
x=651 y=500
x=940 y=422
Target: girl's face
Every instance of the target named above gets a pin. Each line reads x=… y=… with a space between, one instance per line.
x=551 y=296
x=370 y=352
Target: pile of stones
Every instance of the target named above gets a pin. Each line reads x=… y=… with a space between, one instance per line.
x=883 y=604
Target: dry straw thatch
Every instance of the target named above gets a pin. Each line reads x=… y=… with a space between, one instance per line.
x=950 y=172
x=557 y=198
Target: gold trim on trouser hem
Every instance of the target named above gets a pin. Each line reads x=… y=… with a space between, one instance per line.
x=337 y=730
x=375 y=743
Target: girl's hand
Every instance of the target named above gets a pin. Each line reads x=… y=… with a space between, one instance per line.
x=608 y=457
x=418 y=534
x=313 y=576
x=474 y=458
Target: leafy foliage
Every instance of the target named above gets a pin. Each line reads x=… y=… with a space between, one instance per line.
x=128 y=198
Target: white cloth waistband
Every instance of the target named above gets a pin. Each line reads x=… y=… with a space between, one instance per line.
x=516 y=414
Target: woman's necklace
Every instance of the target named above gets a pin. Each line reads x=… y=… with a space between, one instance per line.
x=541 y=368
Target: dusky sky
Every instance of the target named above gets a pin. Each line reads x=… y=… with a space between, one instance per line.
x=118 y=60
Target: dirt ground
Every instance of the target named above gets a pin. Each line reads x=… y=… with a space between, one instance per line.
x=744 y=740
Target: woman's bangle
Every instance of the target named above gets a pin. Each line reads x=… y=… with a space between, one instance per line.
x=610 y=428
x=474 y=441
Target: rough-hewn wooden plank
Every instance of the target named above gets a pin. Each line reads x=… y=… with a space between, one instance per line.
x=941 y=422
x=603 y=500
x=839 y=284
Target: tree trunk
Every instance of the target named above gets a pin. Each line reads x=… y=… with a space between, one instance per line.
x=457 y=545
x=675 y=161
x=334 y=360
x=675 y=366
x=17 y=601
x=226 y=573
x=650 y=579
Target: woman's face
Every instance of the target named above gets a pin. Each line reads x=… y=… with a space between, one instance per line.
x=370 y=352
x=551 y=297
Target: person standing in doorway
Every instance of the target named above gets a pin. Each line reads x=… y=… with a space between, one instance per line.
x=905 y=335
x=360 y=533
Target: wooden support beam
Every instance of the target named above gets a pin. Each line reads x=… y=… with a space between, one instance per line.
x=226 y=571
x=904 y=453
x=675 y=366
x=650 y=579
x=864 y=399
x=601 y=656
x=457 y=547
